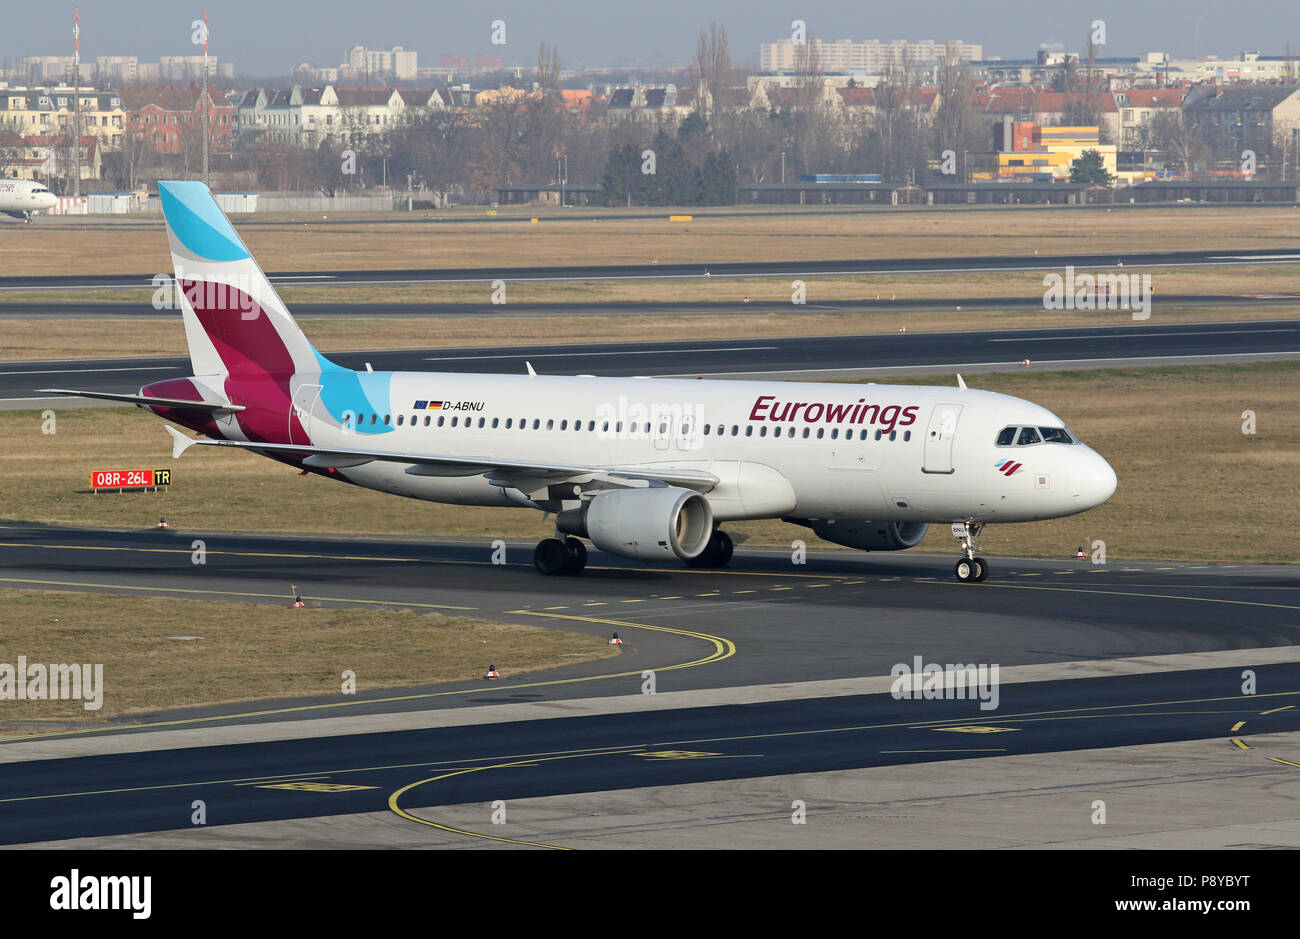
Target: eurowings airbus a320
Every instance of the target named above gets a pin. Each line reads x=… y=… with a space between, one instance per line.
x=643 y=468
x=21 y=197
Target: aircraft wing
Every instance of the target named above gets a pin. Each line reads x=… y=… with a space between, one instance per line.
x=514 y=473
x=145 y=401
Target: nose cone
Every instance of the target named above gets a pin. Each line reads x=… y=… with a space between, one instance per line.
x=1096 y=481
x=44 y=201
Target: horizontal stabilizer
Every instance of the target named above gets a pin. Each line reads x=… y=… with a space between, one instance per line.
x=145 y=401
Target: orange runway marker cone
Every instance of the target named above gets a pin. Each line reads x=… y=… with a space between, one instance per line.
x=162 y=523
x=492 y=672
x=615 y=641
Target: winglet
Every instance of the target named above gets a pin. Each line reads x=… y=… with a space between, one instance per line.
x=530 y=369
x=960 y=382
x=180 y=443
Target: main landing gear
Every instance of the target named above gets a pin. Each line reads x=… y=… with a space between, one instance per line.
x=717 y=553
x=553 y=556
x=970 y=569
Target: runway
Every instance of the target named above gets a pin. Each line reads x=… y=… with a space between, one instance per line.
x=762 y=624
x=777 y=358
x=653 y=271
x=64 y=309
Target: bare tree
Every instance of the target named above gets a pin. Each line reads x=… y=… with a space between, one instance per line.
x=711 y=70
x=548 y=70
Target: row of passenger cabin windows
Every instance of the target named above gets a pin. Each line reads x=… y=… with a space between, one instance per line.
x=1025 y=436
x=708 y=429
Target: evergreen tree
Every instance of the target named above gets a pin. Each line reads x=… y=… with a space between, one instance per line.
x=1090 y=168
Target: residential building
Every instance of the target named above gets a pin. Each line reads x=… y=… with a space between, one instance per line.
x=1237 y=118
x=870 y=56
x=171 y=117
x=35 y=111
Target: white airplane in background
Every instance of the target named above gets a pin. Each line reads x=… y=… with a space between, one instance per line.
x=644 y=468
x=21 y=197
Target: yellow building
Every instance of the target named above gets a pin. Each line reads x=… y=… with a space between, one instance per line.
x=1041 y=150
x=39 y=111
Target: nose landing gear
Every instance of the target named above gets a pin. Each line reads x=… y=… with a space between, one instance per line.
x=970 y=569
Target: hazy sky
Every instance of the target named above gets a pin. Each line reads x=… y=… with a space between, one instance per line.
x=271 y=36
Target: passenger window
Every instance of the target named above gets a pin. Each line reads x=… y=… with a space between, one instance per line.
x=427 y=420
x=878 y=435
x=806 y=431
x=399 y=419
x=374 y=418
x=537 y=422
x=495 y=422
x=550 y=424
x=388 y=419
x=591 y=425
x=441 y=420
x=1028 y=436
x=835 y=433
x=821 y=432
x=893 y=435
x=749 y=430
x=706 y=430
x=1007 y=437
x=735 y=430
x=762 y=431
x=907 y=435
x=455 y=421
x=604 y=428
x=862 y=434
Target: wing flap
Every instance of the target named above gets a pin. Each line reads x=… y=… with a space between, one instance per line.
x=442 y=465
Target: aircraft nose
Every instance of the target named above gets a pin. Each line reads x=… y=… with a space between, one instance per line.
x=1096 y=481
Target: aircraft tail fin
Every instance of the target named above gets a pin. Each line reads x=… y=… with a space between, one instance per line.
x=235 y=323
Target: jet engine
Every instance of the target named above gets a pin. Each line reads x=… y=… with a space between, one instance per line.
x=867 y=535
x=655 y=524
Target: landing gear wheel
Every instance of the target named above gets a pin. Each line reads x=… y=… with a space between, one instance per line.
x=577 y=556
x=970 y=569
x=551 y=556
x=717 y=553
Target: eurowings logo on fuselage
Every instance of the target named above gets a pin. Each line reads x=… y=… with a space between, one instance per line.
x=1008 y=467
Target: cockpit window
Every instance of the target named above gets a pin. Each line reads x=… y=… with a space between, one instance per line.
x=1056 y=435
x=1028 y=435
x=1007 y=436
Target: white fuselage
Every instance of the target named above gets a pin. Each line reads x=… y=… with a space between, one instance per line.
x=807 y=450
x=24 y=196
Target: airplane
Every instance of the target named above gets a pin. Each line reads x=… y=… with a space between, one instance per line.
x=642 y=468
x=20 y=198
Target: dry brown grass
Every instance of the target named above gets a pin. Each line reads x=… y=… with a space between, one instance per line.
x=254 y=652
x=1191 y=484
x=56 y=246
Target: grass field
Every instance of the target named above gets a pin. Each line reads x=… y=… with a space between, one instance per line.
x=251 y=652
x=1191 y=484
x=56 y=246
x=62 y=338
x=25 y=340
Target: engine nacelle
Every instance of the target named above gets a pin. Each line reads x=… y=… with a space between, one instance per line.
x=870 y=536
x=655 y=524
